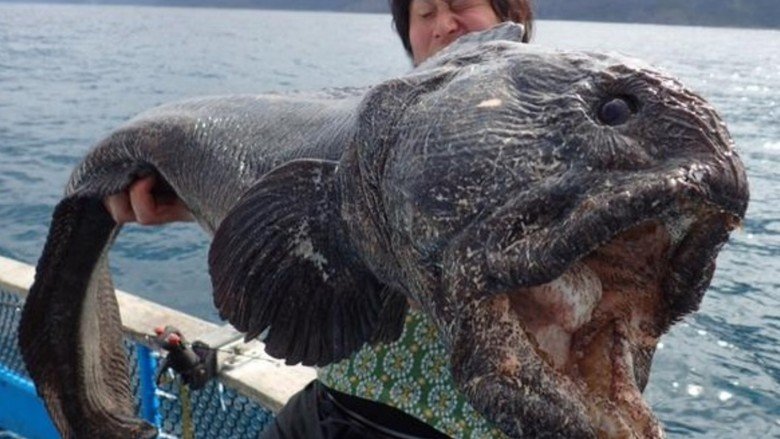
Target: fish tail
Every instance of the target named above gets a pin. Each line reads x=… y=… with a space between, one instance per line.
x=70 y=334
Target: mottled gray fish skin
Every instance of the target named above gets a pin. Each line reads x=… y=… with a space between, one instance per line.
x=553 y=212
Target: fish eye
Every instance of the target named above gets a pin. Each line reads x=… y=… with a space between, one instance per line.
x=616 y=111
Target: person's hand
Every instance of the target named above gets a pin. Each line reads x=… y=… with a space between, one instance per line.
x=140 y=204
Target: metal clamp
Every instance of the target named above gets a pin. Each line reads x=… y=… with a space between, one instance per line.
x=195 y=362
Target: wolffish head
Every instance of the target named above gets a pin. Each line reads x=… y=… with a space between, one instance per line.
x=555 y=212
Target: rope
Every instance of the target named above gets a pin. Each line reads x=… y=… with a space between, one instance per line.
x=187 y=427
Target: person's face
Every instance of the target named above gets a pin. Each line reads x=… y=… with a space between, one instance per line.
x=434 y=24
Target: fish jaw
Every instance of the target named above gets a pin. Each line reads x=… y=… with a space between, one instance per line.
x=570 y=358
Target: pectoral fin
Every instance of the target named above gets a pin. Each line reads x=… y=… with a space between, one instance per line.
x=281 y=261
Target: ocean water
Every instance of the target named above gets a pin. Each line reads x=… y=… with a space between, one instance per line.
x=69 y=74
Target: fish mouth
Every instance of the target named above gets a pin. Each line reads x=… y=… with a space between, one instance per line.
x=597 y=327
x=569 y=324
x=580 y=346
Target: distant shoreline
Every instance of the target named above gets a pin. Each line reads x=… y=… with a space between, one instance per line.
x=247 y=4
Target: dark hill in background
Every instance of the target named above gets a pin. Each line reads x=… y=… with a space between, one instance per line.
x=733 y=13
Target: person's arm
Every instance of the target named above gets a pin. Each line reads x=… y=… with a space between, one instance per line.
x=140 y=204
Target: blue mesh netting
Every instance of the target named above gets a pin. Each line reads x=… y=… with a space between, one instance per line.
x=10 y=312
x=216 y=411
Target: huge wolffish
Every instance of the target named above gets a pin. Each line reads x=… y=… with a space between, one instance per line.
x=554 y=213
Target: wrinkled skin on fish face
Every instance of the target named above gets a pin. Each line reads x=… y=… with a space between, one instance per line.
x=555 y=213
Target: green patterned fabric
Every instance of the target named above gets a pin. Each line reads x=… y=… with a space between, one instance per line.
x=411 y=374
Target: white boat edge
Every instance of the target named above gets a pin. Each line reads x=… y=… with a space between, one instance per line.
x=244 y=367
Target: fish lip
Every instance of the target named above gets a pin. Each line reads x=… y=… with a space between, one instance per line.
x=691 y=212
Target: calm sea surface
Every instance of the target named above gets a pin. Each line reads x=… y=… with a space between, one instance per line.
x=69 y=74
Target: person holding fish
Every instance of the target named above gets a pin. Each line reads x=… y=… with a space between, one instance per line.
x=398 y=390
